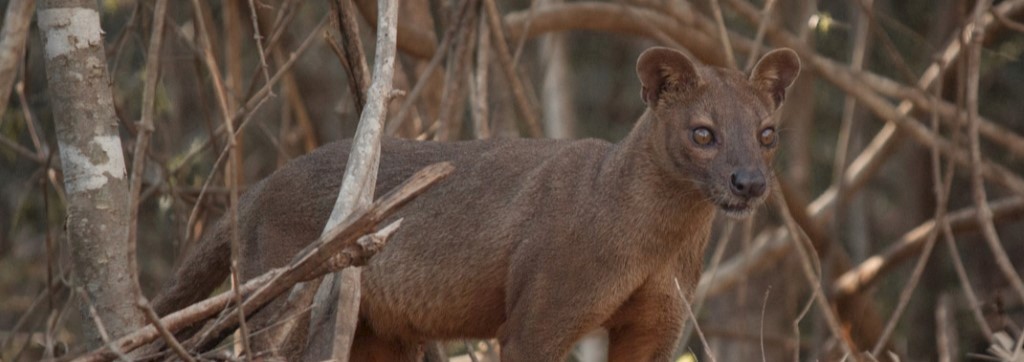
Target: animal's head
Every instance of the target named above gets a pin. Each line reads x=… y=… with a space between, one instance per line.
x=720 y=126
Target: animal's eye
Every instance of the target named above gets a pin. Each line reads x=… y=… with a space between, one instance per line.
x=768 y=137
x=703 y=136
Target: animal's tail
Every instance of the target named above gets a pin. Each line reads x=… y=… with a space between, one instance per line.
x=203 y=270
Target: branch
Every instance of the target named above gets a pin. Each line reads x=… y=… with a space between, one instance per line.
x=867 y=273
x=508 y=67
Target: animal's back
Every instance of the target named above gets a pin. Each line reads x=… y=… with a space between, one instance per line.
x=472 y=219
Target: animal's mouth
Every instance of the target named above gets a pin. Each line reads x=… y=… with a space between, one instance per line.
x=737 y=209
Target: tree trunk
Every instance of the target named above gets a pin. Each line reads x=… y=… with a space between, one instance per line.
x=93 y=164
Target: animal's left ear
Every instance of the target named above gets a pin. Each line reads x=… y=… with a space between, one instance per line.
x=775 y=72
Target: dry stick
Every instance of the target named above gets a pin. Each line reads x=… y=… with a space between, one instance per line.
x=700 y=295
x=723 y=35
x=965 y=282
x=522 y=41
x=890 y=48
x=689 y=311
x=812 y=271
x=617 y=18
x=360 y=176
x=231 y=171
x=168 y=337
x=17 y=19
x=859 y=278
x=359 y=72
x=42 y=149
x=45 y=294
x=505 y=60
x=951 y=113
x=280 y=25
x=21 y=150
x=796 y=324
x=255 y=96
x=945 y=330
x=245 y=114
x=114 y=53
x=435 y=61
x=259 y=40
x=145 y=130
x=846 y=124
x=977 y=182
x=764 y=306
x=453 y=94
x=478 y=81
x=308 y=264
x=758 y=41
x=1008 y=23
x=942 y=183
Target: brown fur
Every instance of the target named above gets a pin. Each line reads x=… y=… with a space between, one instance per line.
x=535 y=242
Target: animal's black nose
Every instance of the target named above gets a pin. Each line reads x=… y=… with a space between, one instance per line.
x=747 y=183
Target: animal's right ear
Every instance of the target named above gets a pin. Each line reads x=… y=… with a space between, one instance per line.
x=665 y=71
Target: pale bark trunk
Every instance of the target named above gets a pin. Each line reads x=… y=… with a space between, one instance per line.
x=93 y=164
x=355 y=195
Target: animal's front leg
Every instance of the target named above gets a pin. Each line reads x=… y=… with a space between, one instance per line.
x=647 y=328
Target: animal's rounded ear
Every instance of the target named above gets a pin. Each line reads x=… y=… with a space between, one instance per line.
x=663 y=71
x=775 y=72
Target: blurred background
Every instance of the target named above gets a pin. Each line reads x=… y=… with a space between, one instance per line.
x=855 y=154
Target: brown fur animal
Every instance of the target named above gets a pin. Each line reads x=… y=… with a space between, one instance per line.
x=537 y=242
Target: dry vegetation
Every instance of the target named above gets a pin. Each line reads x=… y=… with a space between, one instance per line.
x=901 y=174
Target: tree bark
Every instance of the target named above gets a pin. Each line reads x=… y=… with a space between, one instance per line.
x=355 y=195
x=93 y=164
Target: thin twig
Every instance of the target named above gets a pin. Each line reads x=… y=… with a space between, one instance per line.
x=977 y=182
x=145 y=128
x=848 y=123
x=259 y=41
x=522 y=40
x=700 y=294
x=764 y=306
x=723 y=35
x=945 y=330
x=453 y=94
x=479 y=80
x=759 y=38
x=431 y=67
x=961 y=273
x=812 y=271
x=168 y=337
x=231 y=171
x=693 y=317
x=505 y=60
x=245 y=114
x=359 y=181
x=358 y=71
x=942 y=183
